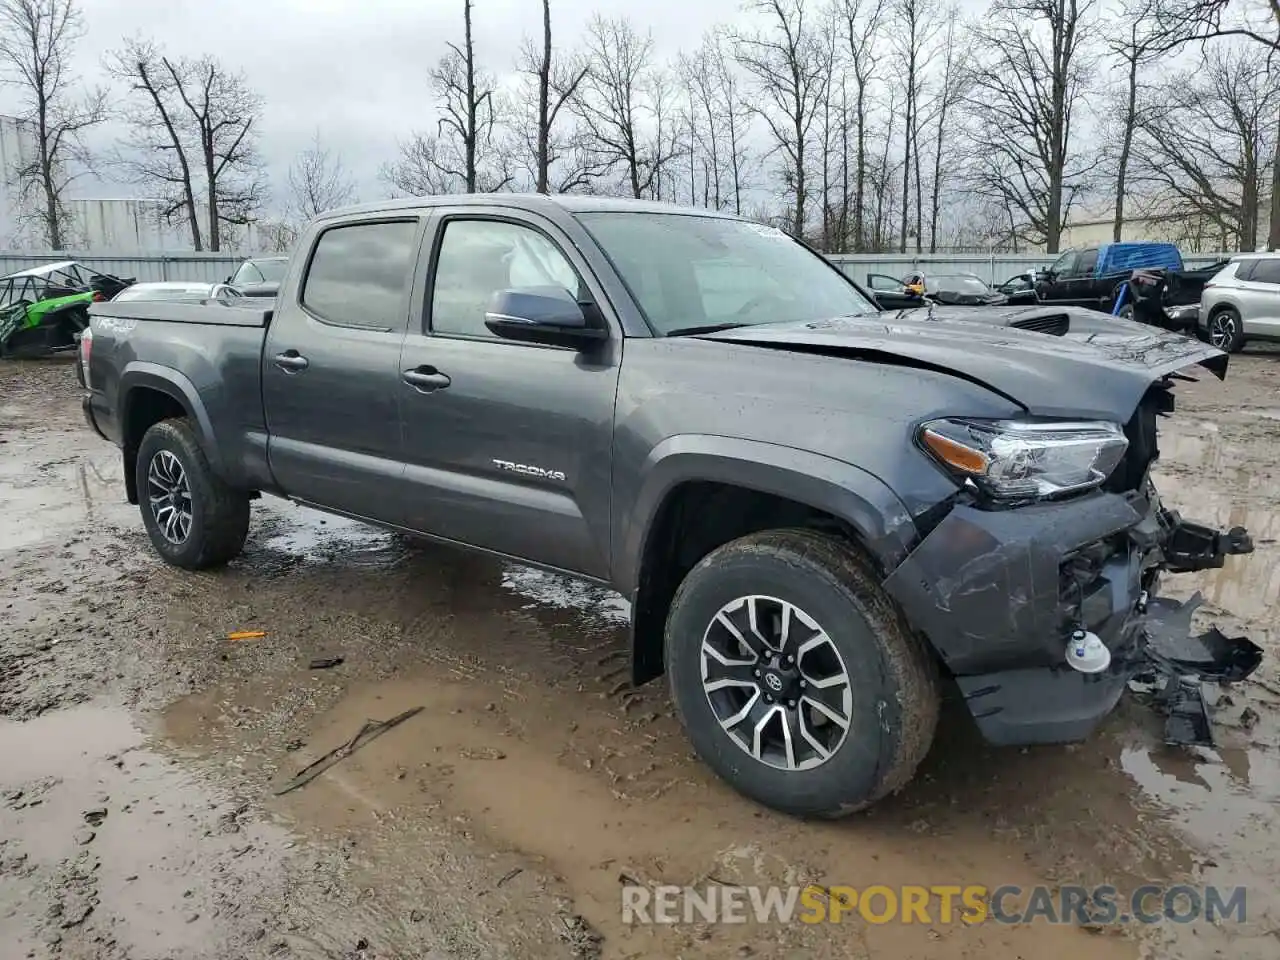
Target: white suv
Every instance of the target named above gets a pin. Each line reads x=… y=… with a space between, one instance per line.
x=1242 y=302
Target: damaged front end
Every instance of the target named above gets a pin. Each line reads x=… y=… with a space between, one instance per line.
x=1008 y=595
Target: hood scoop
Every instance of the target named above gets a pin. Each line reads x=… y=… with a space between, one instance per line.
x=1054 y=324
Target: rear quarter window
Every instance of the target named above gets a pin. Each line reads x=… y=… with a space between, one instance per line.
x=360 y=273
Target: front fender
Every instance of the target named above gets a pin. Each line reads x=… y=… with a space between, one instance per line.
x=153 y=376
x=845 y=491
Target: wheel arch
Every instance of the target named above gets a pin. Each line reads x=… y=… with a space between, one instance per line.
x=150 y=393
x=698 y=492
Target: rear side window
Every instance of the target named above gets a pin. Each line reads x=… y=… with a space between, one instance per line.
x=1266 y=271
x=360 y=274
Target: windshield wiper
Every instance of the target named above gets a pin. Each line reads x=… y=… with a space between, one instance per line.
x=706 y=328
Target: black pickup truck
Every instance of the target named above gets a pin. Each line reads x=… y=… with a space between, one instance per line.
x=825 y=516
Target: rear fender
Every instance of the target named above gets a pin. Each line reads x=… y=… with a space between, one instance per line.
x=141 y=375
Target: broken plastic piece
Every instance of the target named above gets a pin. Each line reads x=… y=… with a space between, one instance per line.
x=1210 y=656
x=1193 y=546
x=324 y=663
x=1188 y=722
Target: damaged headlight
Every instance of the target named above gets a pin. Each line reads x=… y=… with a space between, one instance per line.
x=1025 y=460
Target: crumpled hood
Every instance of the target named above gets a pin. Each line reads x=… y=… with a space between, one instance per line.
x=1100 y=368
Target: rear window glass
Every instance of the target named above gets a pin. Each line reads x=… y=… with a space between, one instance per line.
x=1266 y=271
x=359 y=274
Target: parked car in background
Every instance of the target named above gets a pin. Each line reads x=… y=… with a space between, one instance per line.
x=178 y=290
x=1242 y=302
x=1094 y=276
x=818 y=511
x=42 y=309
x=1166 y=298
x=951 y=289
x=260 y=276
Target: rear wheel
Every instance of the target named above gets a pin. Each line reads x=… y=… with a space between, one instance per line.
x=795 y=677
x=194 y=519
x=1226 y=330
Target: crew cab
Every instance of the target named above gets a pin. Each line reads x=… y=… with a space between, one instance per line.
x=823 y=515
x=1095 y=276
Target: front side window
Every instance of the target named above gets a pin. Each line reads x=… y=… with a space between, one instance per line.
x=480 y=257
x=690 y=272
x=360 y=274
x=1087 y=264
x=1066 y=264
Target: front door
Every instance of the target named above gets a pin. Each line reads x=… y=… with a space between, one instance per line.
x=331 y=370
x=508 y=446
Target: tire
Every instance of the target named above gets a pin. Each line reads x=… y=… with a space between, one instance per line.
x=1126 y=312
x=1226 y=329
x=892 y=699
x=218 y=515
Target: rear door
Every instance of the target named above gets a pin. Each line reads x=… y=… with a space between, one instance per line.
x=509 y=447
x=330 y=369
x=1260 y=299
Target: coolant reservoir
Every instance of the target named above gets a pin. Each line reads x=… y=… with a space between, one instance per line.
x=1087 y=653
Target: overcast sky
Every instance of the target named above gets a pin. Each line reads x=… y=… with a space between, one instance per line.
x=356 y=70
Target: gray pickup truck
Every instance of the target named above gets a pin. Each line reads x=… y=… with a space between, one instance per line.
x=825 y=516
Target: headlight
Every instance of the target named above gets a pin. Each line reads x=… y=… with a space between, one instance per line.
x=1022 y=460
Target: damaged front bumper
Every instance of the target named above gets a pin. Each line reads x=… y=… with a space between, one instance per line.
x=999 y=594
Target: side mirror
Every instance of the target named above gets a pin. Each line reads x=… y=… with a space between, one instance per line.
x=546 y=315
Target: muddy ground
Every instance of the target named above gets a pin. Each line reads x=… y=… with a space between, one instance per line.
x=141 y=751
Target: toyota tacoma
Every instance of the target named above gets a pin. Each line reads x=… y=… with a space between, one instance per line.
x=825 y=516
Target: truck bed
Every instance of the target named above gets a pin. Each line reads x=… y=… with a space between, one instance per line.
x=171 y=311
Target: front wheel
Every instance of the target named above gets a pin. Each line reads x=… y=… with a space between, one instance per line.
x=796 y=678
x=194 y=519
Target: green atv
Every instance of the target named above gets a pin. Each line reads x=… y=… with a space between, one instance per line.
x=43 y=310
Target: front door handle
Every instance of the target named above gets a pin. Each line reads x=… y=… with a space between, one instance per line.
x=426 y=379
x=290 y=361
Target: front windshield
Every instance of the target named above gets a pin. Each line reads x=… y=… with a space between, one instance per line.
x=689 y=272
x=958 y=283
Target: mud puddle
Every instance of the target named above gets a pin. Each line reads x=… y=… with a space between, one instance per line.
x=111 y=850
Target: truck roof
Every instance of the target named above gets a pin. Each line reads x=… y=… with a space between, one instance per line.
x=573 y=203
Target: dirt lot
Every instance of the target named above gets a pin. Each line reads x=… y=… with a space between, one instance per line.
x=140 y=750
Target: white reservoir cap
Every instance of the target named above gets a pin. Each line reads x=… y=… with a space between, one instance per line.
x=1087 y=653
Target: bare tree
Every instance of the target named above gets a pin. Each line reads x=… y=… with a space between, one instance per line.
x=787 y=62
x=615 y=104
x=1135 y=46
x=155 y=153
x=318 y=181
x=1031 y=72
x=718 y=122
x=222 y=115
x=556 y=83
x=1227 y=107
x=1177 y=22
x=951 y=88
x=464 y=154
x=37 y=40
x=193 y=136
x=862 y=22
x=915 y=24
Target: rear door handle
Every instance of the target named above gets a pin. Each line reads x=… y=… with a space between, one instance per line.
x=426 y=379
x=290 y=361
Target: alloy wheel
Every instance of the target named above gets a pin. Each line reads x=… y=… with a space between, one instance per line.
x=1222 y=330
x=776 y=682
x=170 y=497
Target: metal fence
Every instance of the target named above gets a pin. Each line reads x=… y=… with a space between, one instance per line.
x=216 y=267
x=995 y=268
x=207 y=267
